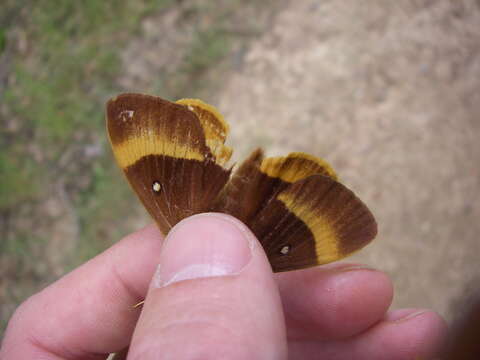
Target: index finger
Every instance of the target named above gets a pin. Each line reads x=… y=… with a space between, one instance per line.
x=89 y=312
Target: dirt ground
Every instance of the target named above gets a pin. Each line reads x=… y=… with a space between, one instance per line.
x=388 y=92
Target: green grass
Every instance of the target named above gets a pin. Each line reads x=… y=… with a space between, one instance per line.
x=71 y=68
x=3 y=40
x=58 y=85
x=16 y=184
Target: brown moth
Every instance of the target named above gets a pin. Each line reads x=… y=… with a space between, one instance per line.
x=174 y=157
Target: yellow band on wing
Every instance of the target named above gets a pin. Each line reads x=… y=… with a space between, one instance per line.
x=326 y=238
x=296 y=166
x=133 y=149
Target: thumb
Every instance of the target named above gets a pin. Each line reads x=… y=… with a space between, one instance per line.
x=213 y=297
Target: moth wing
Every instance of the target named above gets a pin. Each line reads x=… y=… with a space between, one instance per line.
x=314 y=221
x=162 y=149
x=258 y=179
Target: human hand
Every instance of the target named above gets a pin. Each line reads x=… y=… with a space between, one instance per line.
x=214 y=296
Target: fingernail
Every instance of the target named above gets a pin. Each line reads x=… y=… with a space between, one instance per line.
x=403 y=315
x=205 y=245
x=355 y=268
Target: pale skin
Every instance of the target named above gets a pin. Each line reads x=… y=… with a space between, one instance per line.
x=337 y=311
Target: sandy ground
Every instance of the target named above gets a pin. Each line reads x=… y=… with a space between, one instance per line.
x=388 y=92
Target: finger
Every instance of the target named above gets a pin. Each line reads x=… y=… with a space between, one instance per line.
x=334 y=301
x=404 y=335
x=213 y=297
x=89 y=311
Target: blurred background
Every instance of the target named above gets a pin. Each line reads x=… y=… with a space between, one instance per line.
x=387 y=92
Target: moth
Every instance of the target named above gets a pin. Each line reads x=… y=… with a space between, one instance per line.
x=175 y=159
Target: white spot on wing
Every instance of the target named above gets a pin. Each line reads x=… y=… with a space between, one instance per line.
x=285 y=250
x=156 y=186
x=126 y=115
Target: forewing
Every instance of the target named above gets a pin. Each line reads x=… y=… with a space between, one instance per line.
x=161 y=147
